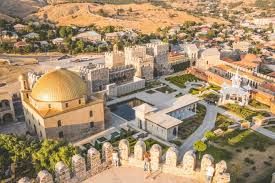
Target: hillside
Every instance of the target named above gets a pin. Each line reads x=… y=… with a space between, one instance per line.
x=20 y=8
x=6 y=17
x=144 y=17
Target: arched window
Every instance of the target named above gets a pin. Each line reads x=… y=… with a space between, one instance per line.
x=59 y=123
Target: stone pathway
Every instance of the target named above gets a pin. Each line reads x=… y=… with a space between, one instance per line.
x=264 y=131
x=137 y=175
x=207 y=124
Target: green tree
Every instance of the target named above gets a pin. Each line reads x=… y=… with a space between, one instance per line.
x=200 y=146
x=209 y=135
x=80 y=45
x=62 y=32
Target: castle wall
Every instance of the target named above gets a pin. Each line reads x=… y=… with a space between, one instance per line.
x=82 y=171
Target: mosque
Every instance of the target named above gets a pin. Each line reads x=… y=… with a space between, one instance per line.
x=59 y=105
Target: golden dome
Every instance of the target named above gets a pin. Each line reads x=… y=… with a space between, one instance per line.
x=58 y=86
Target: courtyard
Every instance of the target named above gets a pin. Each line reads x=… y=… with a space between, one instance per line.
x=137 y=175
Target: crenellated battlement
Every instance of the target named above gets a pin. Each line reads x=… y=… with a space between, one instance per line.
x=171 y=164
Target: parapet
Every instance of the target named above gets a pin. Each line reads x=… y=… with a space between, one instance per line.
x=169 y=164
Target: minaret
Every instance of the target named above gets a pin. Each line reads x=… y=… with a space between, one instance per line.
x=236 y=80
x=25 y=88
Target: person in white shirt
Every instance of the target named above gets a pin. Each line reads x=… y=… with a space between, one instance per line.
x=115 y=158
x=209 y=174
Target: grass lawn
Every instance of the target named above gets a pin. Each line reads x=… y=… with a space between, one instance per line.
x=223 y=122
x=249 y=155
x=150 y=91
x=178 y=95
x=166 y=89
x=190 y=125
x=152 y=84
x=245 y=139
x=150 y=142
x=243 y=111
x=194 y=91
x=258 y=105
x=218 y=153
x=181 y=80
x=211 y=97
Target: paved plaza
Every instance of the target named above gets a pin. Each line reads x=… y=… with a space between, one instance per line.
x=137 y=175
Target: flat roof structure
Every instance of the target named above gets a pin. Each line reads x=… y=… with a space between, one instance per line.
x=162 y=117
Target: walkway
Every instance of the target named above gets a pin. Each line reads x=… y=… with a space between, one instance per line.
x=264 y=131
x=137 y=175
x=207 y=124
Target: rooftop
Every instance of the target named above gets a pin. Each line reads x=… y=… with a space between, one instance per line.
x=161 y=117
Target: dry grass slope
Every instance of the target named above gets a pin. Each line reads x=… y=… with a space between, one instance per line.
x=144 y=17
x=19 y=8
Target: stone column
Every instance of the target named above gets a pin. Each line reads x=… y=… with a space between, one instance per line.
x=107 y=150
x=207 y=160
x=189 y=162
x=171 y=157
x=139 y=150
x=273 y=178
x=124 y=149
x=220 y=170
x=223 y=178
x=62 y=173
x=155 y=153
x=44 y=177
x=79 y=167
x=94 y=160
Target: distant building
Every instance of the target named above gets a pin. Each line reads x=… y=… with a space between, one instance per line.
x=58 y=41
x=21 y=44
x=209 y=57
x=113 y=36
x=32 y=35
x=89 y=36
x=242 y=46
x=20 y=27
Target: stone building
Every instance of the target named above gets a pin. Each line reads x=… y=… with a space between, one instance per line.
x=121 y=75
x=7 y=113
x=96 y=75
x=142 y=62
x=242 y=46
x=164 y=123
x=89 y=36
x=60 y=106
x=115 y=58
x=160 y=53
x=192 y=52
x=209 y=58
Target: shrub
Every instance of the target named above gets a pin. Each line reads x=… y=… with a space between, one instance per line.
x=267 y=163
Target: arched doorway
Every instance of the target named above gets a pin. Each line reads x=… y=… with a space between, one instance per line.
x=7 y=118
